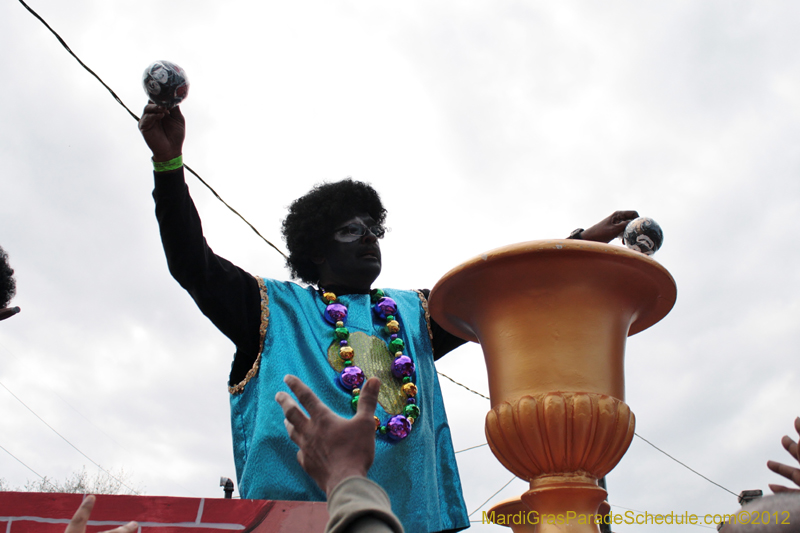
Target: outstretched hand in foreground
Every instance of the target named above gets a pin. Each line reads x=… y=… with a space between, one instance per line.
x=332 y=448
x=81 y=517
x=789 y=472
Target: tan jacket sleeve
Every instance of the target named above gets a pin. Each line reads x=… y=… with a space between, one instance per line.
x=358 y=505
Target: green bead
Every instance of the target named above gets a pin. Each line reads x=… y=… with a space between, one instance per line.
x=383 y=430
x=389 y=318
x=342 y=333
x=411 y=410
x=348 y=363
x=407 y=379
x=396 y=345
x=354 y=404
x=376 y=295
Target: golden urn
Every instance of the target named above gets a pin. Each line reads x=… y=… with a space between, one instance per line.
x=552 y=318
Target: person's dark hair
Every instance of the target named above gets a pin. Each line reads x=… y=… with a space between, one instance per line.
x=314 y=216
x=8 y=287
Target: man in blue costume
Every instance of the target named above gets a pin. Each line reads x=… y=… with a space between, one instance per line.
x=333 y=334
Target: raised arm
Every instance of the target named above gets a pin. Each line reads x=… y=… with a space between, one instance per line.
x=163 y=130
x=225 y=293
x=604 y=231
x=607 y=229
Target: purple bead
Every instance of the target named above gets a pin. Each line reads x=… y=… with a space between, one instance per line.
x=335 y=312
x=385 y=306
x=403 y=366
x=411 y=400
x=342 y=343
x=394 y=336
x=398 y=427
x=351 y=377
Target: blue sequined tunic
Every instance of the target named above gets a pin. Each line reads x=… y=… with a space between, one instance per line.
x=419 y=472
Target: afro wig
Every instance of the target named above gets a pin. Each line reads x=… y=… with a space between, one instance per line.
x=314 y=217
x=8 y=287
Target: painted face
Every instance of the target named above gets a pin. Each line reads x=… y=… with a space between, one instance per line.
x=351 y=261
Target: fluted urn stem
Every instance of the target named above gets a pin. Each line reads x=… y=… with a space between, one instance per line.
x=563 y=442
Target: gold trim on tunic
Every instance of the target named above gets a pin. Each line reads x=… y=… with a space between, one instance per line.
x=262 y=333
x=424 y=302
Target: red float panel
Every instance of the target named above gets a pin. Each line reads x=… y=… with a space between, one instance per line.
x=38 y=512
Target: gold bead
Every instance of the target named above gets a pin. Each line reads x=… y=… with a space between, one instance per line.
x=356 y=392
x=329 y=296
x=410 y=420
x=410 y=389
x=339 y=324
x=346 y=353
x=377 y=423
x=393 y=326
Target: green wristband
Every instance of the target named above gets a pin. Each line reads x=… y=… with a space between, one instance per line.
x=166 y=166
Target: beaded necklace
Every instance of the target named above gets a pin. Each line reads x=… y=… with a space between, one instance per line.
x=398 y=426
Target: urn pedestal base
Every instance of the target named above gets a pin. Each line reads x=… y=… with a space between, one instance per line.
x=569 y=507
x=567 y=501
x=514 y=514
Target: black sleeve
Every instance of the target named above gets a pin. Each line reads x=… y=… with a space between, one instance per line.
x=225 y=293
x=443 y=341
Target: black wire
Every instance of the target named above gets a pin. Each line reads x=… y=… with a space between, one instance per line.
x=196 y=175
x=472 y=447
x=685 y=465
x=68 y=442
x=492 y=496
x=98 y=428
x=131 y=113
x=90 y=71
x=644 y=439
x=26 y=466
x=462 y=385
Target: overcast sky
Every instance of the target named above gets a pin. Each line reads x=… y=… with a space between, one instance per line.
x=482 y=124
